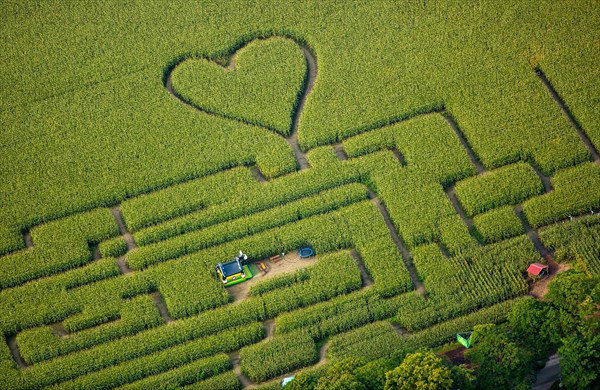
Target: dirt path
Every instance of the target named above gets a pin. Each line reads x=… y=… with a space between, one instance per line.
x=289 y=263
x=533 y=235
x=96 y=255
x=398 y=329
x=323 y=354
x=539 y=289
x=269 y=326
x=258 y=175
x=340 y=152
x=561 y=103
x=366 y=279
x=122 y=264
x=234 y=357
x=28 y=240
x=162 y=308
x=463 y=140
x=59 y=329
x=14 y=350
x=451 y=193
x=116 y=212
x=545 y=179
x=398 y=241
x=311 y=76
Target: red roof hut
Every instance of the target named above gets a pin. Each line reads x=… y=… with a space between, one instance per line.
x=537 y=270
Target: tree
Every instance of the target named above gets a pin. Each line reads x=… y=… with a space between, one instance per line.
x=341 y=376
x=502 y=362
x=535 y=322
x=580 y=362
x=421 y=370
x=372 y=374
x=576 y=297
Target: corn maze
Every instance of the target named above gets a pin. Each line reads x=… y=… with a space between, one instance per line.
x=424 y=200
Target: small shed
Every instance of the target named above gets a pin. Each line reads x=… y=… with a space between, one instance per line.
x=464 y=339
x=537 y=270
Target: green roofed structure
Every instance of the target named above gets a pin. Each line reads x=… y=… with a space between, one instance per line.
x=234 y=272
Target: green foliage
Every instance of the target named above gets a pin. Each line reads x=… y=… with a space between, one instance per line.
x=38 y=344
x=114 y=247
x=238 y=228
x=226 y=381
x=577 y=242
x=278 y=355
x=455 y=236
x=322 y=157
x=372 y=374
x=253 y=200
x=481 y=276
x=181 y=199
x=327 y=318
x=333 y=275
x=308 y=378
x=498 y=224
x=534 y=321
x=372 y=241
x=414 y=139
x=502 y=362
x=89 y=124
x=580 y=362
x=340 y=314
x=575 y=192
x=417 y=218
x=141 y=355
x=58 y=246
x=260 y=86
x=340 y=376
x=508 y=185
x=193 y=372
x=419 y=370
x=370 y=342
x=446 y=331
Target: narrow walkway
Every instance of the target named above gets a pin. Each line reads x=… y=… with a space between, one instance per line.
x=129 y=241
x=451 y=193
x=340 y=152
x=463 y=140
x=14 y=350
x=366 y=279
x=96 y=255
x=59 y=329
x=323 y=354
x=234 y=357
x=258 y=174
x=269 y=326
x=533 y=235
x=398 y=242
x=162 y=308
x=561 y=103
x=311 y=76
x=398 y=329
x=116 y=212
x=122 y=264
x=28 y=240
x=399 y=156
x=545 y=179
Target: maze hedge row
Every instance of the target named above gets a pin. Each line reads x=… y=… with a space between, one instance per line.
x=278 y=355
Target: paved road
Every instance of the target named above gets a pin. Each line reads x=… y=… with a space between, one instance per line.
x=548 y=375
